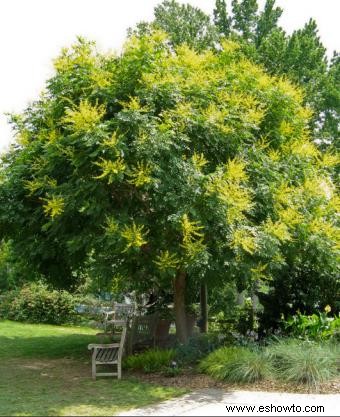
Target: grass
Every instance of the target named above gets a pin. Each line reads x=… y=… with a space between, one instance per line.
x=236 y=364
x=22 y=340
x=290 y=361
x=46 y=370
x=303 y=362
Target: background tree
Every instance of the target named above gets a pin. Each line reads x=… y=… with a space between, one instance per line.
x=330 y=111
x=185 y=24
x=245 y=18
x=267 y=21
x=221 y=19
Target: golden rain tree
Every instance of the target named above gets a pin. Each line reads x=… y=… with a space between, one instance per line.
x=166 y=167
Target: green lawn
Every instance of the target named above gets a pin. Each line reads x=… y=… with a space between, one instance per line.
x=45 y=370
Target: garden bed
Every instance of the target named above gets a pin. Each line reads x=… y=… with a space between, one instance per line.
x=192 y=380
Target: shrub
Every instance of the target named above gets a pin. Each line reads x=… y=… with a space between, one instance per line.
x=236 y=364
x=153 y=360
x=197 y=347
x=36 y=303
x=303 y=361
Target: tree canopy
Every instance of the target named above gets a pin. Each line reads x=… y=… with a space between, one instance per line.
x=168 y=167
x=300 y=56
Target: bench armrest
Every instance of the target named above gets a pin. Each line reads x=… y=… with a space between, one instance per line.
x=102 y=346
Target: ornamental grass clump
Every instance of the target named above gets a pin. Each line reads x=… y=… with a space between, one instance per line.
x=304 y=362
x=236 y=364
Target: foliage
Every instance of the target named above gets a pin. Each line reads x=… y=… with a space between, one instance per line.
x=185 y=24
x=165 y=160
x=221 y=19
x=245 y=17
x=14 y=270
x=247 y=321
x=303 y=362
x=198 y=346
x=315 y=326
x=236 y=364
x=153 y=360
x=37 y=303
x=291 y=360
x=300 y=56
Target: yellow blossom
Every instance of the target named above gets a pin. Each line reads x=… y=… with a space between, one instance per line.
x=141 y=174
x=134 y=236
x=244 y=239
x=259 y=271
x=277 y=229
x=236 y=171
x=54 y=206
x=190 y=229
x=110 y=169
x=85 y=117
x=167 y=260
x=112 y=141
x=328 y=308
x=198 y=161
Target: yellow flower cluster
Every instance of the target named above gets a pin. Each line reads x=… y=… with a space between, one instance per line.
x=111 y=226
x=110 y=168
x=112 y=141
x=33 y=186
x=80 y=54
x=259 y=272
x=141 y=174
x=54 y=206
x=198 y=161
x=192 y=237
x=167 y=261
x=134 y=236
x=227 y=185
x=85 y=117
x=278 y=230
x=244 y=239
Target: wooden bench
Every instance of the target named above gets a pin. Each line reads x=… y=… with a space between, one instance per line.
x=109 y=354
x=143 y=332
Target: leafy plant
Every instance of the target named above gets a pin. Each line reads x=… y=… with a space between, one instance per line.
x=153 y=360
x=37 y=303
x=197 y=347
x=303 y=362
x=236 y=364
x=316 y=326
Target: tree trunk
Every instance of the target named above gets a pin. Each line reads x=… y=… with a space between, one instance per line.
x=179 y=301
x=204 y=308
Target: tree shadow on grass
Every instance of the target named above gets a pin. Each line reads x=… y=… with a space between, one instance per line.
x=64 y=387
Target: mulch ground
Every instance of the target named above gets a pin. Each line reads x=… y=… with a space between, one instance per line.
x=194 y=381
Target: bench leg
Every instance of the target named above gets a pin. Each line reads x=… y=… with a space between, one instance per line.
x=119 y=366
x=93 y=369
